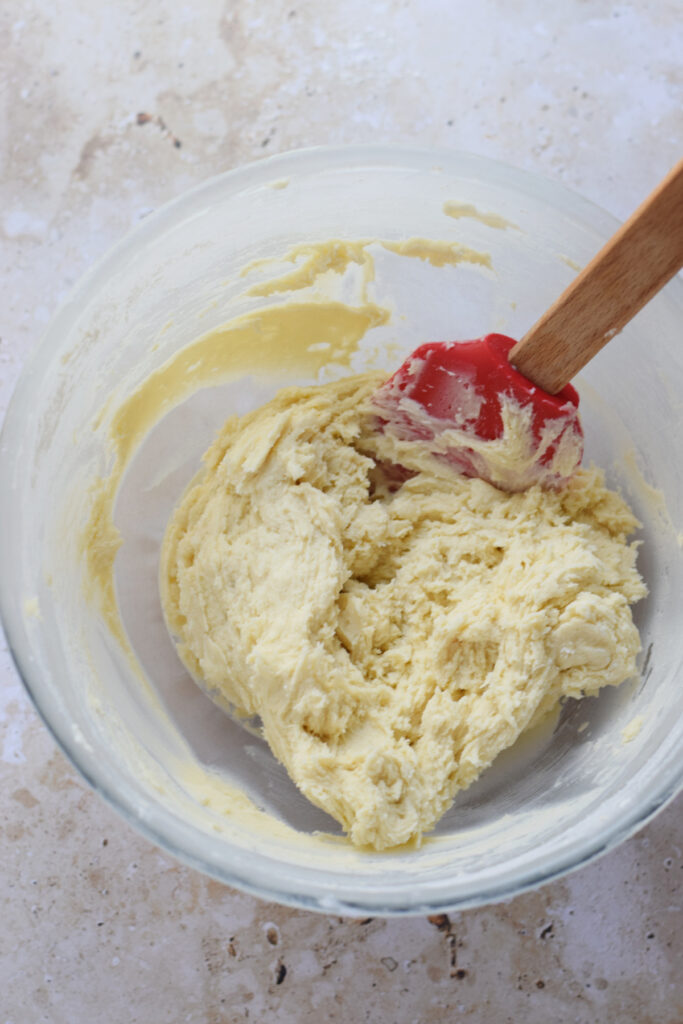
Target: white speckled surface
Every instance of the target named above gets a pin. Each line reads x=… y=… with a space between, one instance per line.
x=98 y=925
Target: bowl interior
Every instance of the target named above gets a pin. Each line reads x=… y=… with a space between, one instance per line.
x=148 y=738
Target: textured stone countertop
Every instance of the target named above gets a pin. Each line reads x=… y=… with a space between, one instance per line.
x=109 y=111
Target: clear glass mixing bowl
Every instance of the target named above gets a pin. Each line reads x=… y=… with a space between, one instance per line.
x=151 y=743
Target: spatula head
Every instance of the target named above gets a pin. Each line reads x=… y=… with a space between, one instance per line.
x=475 y=410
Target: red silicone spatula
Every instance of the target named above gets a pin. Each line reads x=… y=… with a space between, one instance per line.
x=504 y=410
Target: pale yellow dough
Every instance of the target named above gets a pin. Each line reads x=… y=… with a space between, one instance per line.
x=393 y=642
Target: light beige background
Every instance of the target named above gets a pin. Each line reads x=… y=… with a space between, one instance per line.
x=96 y=924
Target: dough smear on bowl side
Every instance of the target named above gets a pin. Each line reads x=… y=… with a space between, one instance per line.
x=394 y=631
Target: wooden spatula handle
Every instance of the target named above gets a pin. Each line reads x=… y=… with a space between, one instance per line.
x=641 y=257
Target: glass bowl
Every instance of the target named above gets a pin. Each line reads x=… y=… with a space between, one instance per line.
x=180 y=770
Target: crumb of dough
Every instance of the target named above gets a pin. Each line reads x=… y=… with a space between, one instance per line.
x=630 y=731
x=32 y=608
x=395 y=635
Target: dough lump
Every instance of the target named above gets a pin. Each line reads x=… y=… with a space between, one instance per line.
x=393 y=634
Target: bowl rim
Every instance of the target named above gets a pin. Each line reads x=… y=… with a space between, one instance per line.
x=252 y=871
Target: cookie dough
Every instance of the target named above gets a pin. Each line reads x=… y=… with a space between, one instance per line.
x=394 y=631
